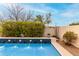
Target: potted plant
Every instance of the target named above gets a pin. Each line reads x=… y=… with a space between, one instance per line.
x=48 y=35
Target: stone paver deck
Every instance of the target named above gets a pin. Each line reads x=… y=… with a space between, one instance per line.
x=73 y=50
x=60 y=49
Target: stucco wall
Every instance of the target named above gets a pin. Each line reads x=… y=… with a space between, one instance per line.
x=49 y=30
x=74 y=29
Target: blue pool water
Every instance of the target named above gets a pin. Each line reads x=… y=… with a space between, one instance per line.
x=8 y=49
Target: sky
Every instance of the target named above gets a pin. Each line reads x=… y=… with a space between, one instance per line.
x=63 y=14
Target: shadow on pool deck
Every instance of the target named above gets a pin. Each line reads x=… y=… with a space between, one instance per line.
x=72 y=49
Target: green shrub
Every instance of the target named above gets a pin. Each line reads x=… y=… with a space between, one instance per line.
x=29 y=29
x=69 y=37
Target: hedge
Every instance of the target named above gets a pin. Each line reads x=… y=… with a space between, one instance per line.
x=28 y=29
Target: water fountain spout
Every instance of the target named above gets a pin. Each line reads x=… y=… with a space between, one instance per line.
x=30 y=40
x=41 y=41
x=20 y=40
x=9 y=40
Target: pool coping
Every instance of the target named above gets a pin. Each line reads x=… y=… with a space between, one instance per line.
x=24 y=37
x=59 y=48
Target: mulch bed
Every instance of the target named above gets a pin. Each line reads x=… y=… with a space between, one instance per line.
x=72 y=49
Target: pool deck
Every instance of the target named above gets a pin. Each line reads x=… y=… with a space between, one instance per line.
x=60 y=49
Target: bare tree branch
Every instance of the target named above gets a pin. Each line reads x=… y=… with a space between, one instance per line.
x=48 y=18
x=16 y=12
x=29 y=15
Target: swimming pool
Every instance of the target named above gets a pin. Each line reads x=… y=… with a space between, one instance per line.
x=28 y=49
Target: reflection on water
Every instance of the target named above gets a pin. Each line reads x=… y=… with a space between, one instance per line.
x=41 y=47
x=1 y=47
x=15 y=46
x=28 y=47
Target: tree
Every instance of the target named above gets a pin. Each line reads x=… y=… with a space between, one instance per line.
x=16 y=12
x=2 y=18
x=29 y=15
x=45 y=20
x=39 y=18
x=48 y=18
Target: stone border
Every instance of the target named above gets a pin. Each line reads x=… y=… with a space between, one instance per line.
x=60 y=49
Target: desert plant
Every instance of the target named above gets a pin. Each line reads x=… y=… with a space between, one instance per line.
x=69 y=37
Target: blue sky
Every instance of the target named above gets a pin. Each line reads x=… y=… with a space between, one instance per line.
x=62 y=13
